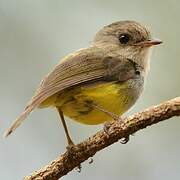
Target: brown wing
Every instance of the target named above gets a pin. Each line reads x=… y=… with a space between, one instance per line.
x=83 y=66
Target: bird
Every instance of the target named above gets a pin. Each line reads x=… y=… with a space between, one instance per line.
x=97 y=84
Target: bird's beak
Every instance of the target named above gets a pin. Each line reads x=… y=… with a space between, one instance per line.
x=149 y=43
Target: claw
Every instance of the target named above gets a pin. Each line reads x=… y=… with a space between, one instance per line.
x=78 y=168
x=91 y=161
x=124 y=140
x=69 y=151
x=121 y=120
x=106 y=127
x=70 y=146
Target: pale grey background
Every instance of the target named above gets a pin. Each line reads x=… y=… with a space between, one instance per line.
x=34 y=36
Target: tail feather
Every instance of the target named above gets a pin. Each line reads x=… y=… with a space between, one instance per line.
x=18 y=121
x=36 y=100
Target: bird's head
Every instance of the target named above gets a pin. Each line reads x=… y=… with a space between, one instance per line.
x=129 y=38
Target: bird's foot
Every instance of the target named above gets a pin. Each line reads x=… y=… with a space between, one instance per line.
x=70 y=146
x=78 y=168
x=124 y=140
x=107 y=126
x=69 y=149
x=70 y=143
x=91 y=161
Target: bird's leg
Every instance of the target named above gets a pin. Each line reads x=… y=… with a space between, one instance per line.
x=107 y=124
x=69 y=140
x=111 y=114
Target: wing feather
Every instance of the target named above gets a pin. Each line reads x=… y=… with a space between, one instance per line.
x=83 y=66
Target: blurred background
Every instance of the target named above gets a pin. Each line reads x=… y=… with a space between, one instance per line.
x=34 y=36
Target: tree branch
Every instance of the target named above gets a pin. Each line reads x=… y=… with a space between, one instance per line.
x=88 y=148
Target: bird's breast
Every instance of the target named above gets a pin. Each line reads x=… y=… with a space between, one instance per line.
x=116 y=97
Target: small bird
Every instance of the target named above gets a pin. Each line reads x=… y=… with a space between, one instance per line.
x=99 y=83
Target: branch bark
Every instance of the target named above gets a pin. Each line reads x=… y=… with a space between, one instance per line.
x=88 y=148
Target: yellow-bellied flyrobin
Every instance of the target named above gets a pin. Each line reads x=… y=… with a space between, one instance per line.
x=95 y=84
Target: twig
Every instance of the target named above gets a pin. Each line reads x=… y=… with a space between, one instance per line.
x=88 y=148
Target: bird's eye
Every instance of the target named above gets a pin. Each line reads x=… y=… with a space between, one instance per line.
x=124 y=38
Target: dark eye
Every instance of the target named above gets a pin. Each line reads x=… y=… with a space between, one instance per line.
x=124 y=38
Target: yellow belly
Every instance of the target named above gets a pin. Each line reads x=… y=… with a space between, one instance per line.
x=77 y=103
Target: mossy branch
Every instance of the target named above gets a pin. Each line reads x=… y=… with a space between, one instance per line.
x=88 y=148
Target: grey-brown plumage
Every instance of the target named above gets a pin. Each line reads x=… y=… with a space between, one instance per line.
x=119 y=53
